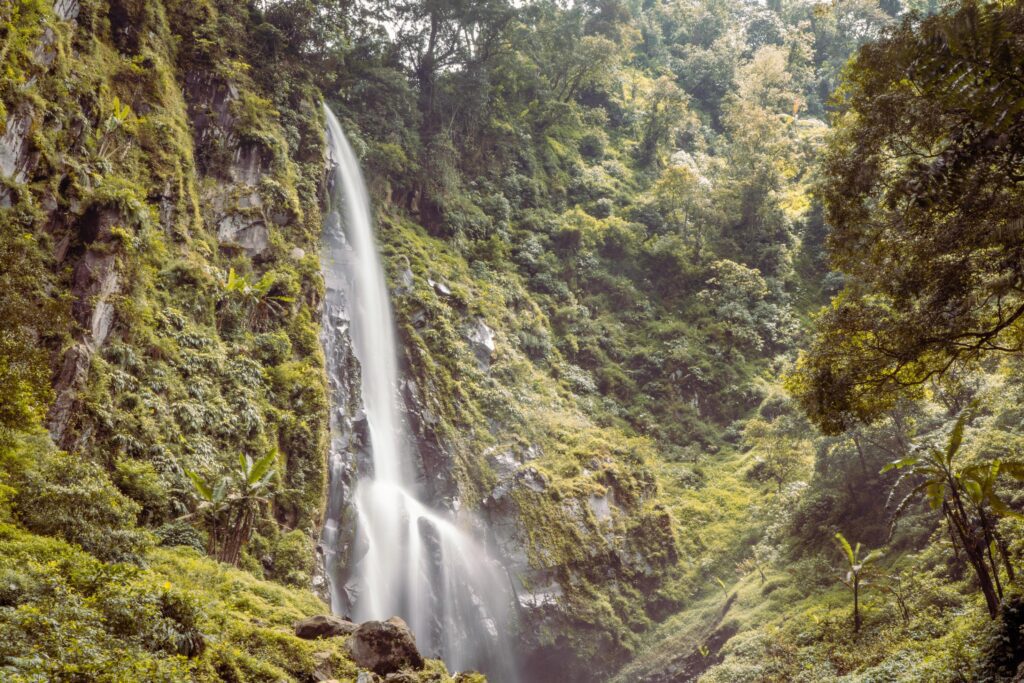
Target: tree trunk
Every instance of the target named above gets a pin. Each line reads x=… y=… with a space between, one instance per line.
x=957 y=517
x=981 y=569
x=856 y=605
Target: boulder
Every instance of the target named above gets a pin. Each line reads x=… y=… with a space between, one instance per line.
x=440 y=288
x=323 y=626
x=384 y=647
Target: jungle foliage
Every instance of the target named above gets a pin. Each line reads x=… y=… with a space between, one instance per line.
x=648 y=201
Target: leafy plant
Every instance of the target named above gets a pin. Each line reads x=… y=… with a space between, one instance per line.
x=899 y=588
x=119 y=115
x=855 y=577
x=233 y=503
x=753 y=563
x=256 y=300
x=967 y=497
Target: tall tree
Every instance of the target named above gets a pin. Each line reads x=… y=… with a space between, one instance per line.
x=924 y=187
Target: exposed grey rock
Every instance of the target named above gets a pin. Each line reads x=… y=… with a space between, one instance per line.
x=248 y=164
x=44 y=53
x=418 y=318
x=94 y=284
x=249 y=234
x=504 y=463
x=440 y=288
x=384 y=647
x=323 y=626
x=104 y=284
x=14 y=147
x=282 y=217
x=532 y=479
x=481 y=342
x=323 y=670
x=321 y=587
x=250 y=201
x=73 y=372
x=66 y=10
x=542 y=596
x=602 y=506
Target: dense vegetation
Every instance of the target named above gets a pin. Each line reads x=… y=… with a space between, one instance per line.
x=757 y=312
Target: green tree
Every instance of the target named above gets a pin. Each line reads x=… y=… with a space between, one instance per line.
x=32 y=313
x=970 y=504
x=231 y=506
x=779 y=447
x=665 y=108
x=856 y=574
x=922 y=185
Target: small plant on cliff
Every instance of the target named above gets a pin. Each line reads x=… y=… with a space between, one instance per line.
x=258 y=301
x=119 y=114
x=854 y=578
x=231 y=506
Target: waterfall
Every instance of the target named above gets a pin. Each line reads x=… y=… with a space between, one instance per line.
x=387 y=551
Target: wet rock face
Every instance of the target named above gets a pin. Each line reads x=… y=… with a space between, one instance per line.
x=323 y=626
x=95 y=284
x=384 y=647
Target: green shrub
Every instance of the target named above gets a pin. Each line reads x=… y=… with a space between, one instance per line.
x=63 y=495
x=139 y=480
x=180 y=533
x=291 y=559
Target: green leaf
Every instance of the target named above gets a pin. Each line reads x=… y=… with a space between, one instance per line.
x=1000 y=507
x=901 y=463
x=262 y=468
x=220 y=490
x=873 y=555
x=1014 y=469
x=201 y=486
x=956 y=437
x=974 y=490
x=845 y=545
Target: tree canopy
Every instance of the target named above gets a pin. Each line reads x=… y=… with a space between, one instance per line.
x=923 y=188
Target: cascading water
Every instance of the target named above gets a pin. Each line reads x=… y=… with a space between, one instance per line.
x=400 y=556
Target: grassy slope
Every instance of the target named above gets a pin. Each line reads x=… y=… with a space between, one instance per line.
x=66 y=616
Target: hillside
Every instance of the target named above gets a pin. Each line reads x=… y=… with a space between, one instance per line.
x=673 y=283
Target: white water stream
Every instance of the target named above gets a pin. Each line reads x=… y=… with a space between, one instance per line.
x=386 y=551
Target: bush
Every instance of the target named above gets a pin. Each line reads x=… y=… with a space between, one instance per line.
x=180 y=533
x=140 y=481
x=65 y=496
x=290 y=560
x=592 y=145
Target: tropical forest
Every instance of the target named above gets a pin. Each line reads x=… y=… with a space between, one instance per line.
x=521 y=341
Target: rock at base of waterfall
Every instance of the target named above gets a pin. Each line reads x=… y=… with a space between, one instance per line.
x=384 y=647
x=323 y=626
